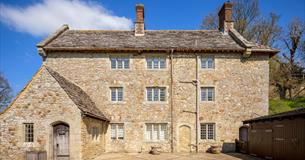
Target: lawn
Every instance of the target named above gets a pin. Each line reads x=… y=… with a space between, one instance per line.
x=278 y=106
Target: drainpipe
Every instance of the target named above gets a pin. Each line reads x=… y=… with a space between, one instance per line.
x=171 y=101
x=197 y=102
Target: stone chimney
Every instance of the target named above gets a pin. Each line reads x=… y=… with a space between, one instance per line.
x=225 y=17
x=139 y=24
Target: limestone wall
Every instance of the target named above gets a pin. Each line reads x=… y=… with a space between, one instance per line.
x=43 y=103
x=241 y=88
x=93 y=145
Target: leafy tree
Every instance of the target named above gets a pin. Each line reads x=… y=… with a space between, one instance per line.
x=5 y=92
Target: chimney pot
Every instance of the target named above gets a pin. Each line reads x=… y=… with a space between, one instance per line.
x=139 y=24
x=225 y=17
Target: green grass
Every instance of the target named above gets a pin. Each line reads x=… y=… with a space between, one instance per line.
x=278 y=106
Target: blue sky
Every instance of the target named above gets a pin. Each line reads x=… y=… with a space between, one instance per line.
x=19 y=59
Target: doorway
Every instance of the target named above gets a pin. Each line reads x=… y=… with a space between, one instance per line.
x=184 y=139
x=61 y=142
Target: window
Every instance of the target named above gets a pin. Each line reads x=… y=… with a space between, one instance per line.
x=207 y=131
x=29 y=132
x=119 y=63
x=156 y=131
x=155 y=93
x=207 y=94
x=207 y=63
x=117 y=131
x=95 y=133
x=116 y=94
x=156 y=63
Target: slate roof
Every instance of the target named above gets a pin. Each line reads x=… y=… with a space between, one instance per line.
x=78 y=96
x=294 y=113
x=153 y=39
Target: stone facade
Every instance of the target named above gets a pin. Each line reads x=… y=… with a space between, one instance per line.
x=241 y=88
x=44 y=103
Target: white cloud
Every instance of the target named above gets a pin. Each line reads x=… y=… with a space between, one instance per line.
x=45 y=17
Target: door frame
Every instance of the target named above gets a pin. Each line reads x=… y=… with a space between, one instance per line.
x=53 y=150
x=178 y=135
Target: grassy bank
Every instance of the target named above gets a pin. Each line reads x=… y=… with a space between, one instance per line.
x=278 y=106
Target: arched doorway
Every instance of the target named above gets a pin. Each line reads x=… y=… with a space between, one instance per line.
x=184 y=138
x=61 y=141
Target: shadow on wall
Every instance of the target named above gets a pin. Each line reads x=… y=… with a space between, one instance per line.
x=228 y=147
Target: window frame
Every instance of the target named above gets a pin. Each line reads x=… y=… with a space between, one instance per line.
x=207 y=57
x=159 y=126
x=28 y=137
x=153 y=94
x=207 y=131
x=207 y=93
x=117 y=88
x=116 y=131
x=116 y=58
x=152 y=59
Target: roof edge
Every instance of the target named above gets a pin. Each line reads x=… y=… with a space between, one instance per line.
x=52 y=36
x=23 y=90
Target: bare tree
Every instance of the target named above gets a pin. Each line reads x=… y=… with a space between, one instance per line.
x=5 y=92
x=285 y=75
x=249 y=23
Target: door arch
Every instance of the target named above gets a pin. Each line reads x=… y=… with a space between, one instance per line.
x=61 y=134
x=184 y=139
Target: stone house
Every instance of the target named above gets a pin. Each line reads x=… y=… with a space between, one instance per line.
x=126 y=91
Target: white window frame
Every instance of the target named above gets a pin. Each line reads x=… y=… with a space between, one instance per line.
x=207 y=59
x=156 y=63
x=158 y=128
x=95 y=133
x=117 y=91
x=28 y=132
x=207 y=89
x=116 y=131
x=206 y=135
x=123 y=60
x=155 y=98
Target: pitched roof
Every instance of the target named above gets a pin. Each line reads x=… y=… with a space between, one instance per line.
x=78 y=96
x=157 y=39
x=294 y=113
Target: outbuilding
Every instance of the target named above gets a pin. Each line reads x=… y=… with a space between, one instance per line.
x=278 y=137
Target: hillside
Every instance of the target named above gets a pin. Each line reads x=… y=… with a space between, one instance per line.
x=278 y=106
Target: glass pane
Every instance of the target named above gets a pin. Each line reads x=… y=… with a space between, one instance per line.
x=149 y=94
x=121 y=131
x=210 y=131
x=113 y=131
x=113 y=63
x=162 y=94
x=155 y=132
x=203 y=131
x=210 y=63
x=163 y=132
x=126 y=63
x=119 y=63
x=203 y=63
x=156 y=94
x=148 y=131
x=203 y=94
x=149 y=63
x=156 y=63
x=113 y=94
x=162 y=63
x=210 y=94
x=120 y=94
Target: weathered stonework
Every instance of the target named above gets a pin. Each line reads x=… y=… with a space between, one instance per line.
x=241 y=88
x=43 y=103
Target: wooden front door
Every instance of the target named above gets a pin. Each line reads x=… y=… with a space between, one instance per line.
x=184 y=139
x=61 y=142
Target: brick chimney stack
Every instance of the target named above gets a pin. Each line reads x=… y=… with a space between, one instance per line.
x=225 y=17
x=139 y=24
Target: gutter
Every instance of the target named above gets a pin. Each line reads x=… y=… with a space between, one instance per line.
x=197 y=102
